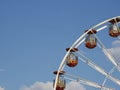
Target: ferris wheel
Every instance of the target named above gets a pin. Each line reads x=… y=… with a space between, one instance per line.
x=93 y=60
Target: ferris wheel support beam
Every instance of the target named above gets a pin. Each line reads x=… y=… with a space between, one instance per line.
x=97 y=68
x=110 y=72
x=108 y=54
x=86 y=82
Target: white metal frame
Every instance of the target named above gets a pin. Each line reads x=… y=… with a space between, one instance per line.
x=89 y=62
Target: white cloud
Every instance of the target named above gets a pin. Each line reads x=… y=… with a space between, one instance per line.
x=115 y=50
x=49 y=86
x=116 y=43
x=39 y=86
x=1 y=88
x=74 y=86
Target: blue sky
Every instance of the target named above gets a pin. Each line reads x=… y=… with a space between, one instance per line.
x=35 y=33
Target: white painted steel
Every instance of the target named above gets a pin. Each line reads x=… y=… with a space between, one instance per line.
x=89 y=62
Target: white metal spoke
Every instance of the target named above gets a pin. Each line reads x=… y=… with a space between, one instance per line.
x=108 y=54
x=110 y=72
x=101 y=28
x=97 y=68
x=86 y=82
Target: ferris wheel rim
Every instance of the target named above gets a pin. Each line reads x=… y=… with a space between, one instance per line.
x=78 y=43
